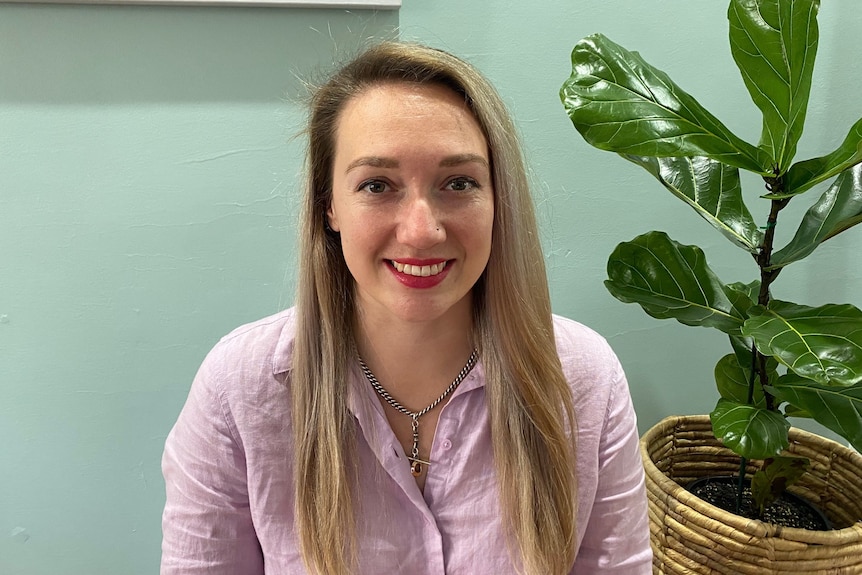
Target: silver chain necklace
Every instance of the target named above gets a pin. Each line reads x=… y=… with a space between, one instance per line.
x=416 y=463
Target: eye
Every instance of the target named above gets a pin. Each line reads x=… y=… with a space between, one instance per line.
x=462 y=184
x=374 y=186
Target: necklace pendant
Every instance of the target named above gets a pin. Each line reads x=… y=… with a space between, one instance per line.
x=416 y=463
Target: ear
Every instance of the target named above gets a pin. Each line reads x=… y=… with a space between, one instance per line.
x=331 y=219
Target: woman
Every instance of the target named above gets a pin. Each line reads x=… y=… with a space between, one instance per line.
x=420 y=410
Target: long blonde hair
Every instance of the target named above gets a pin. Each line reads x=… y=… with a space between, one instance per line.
x=532 y=419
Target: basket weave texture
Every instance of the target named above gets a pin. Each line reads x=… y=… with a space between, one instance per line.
x=690 y=536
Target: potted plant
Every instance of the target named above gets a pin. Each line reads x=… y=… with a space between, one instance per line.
x=784 y=359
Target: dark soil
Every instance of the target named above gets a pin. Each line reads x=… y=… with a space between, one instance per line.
x=788 y=511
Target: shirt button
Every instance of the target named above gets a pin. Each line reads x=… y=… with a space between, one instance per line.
x=447 y=445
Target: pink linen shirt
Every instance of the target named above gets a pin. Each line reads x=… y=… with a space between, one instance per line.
x=228 y=470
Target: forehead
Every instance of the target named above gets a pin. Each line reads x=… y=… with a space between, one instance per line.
x=408 y=94
x=405 y=106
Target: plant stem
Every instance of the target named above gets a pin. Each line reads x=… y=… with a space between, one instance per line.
x=759 y=372
x=774 y=185
x=740 y=480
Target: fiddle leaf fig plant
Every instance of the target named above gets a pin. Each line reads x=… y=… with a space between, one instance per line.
x=786 y=359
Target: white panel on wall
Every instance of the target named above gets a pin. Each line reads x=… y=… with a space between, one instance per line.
x=373 y=4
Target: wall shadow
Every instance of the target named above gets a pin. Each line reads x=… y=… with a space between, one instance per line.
x=79 y=54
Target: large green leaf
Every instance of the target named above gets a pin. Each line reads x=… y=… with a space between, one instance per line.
x=732 y=381
x=751 y=290
x=819 y=343
x=671 y=280
x=838 y=408
x=803 y=175
x=618 y=102
x=791 y=410
x=712 y=189
x=742 y=349
x=750 y=432
x=774 y=45
x=741 y=296
x=839 y=208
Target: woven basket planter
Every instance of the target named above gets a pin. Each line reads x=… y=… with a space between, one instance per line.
x=689 y=536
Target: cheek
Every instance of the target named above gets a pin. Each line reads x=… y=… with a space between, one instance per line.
x=340 y=216
x=475 y=230
x=484 y=223
x=360 y=236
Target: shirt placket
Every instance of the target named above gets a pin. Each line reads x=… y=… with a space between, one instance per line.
x=382 y=441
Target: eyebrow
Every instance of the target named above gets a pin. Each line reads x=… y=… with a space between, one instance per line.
x=459 y=159
x=447 y=162
x=373 y=161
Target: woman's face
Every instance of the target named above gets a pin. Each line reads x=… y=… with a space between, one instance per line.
x=413 y=201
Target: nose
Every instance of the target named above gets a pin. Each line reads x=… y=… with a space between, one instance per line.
x=420 y=223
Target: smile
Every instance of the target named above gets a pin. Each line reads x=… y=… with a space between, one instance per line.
x=419 y=271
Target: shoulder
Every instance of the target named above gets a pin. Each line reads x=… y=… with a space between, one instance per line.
x=265 y=345
x=592 y=369
x=270 y=329
x=247 y=368
x=581 y=347
x=244 y=375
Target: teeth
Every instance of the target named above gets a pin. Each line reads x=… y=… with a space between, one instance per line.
x=420 y=271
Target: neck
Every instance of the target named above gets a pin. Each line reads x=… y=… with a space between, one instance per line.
x=415 y=362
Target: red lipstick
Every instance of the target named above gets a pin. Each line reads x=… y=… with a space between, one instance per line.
x=417 y=281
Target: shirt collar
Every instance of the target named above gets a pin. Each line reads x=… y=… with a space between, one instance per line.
x=283 y=354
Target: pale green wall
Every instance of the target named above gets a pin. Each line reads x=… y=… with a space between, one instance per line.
x=147 y=193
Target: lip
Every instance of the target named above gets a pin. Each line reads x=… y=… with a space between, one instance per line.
x=418 y=282
x=418 y=262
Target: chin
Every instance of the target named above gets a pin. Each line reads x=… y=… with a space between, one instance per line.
x=422 y=314
x=425 y=311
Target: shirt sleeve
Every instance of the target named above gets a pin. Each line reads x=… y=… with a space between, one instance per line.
x=616 y=539
x=207 y=526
